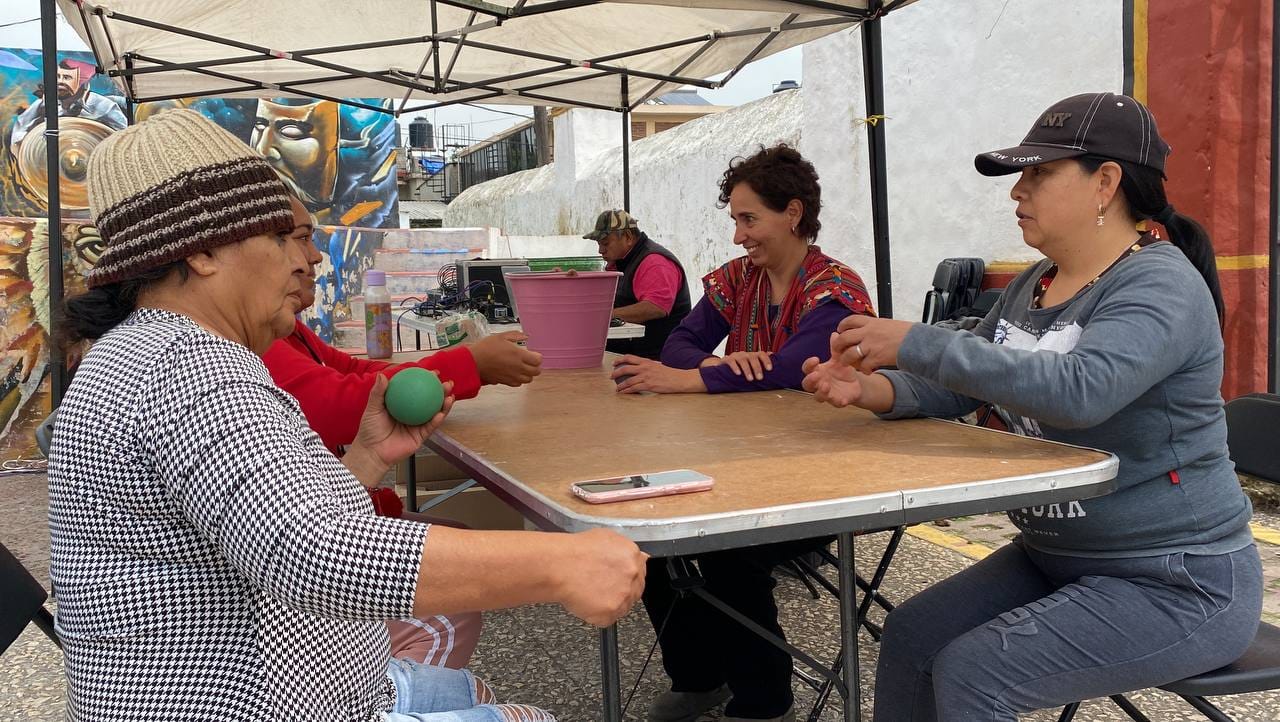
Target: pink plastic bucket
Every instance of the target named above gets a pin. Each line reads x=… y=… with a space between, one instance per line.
x=566 y=317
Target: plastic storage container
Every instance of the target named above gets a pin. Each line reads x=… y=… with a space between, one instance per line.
x=566 y=317
x=377 y=315
x=567 y=263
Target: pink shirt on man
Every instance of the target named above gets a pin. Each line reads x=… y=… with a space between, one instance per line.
x=656 y=280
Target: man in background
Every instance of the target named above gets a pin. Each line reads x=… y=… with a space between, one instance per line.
x=653 y=290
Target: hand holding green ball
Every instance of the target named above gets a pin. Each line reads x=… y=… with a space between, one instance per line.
x=414 y=395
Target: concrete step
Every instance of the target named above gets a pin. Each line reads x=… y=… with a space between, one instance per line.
x=542 y=247
x=397 y=303
x=453 y=238
x=412 y=259
x=350 y=335
x=412 y=283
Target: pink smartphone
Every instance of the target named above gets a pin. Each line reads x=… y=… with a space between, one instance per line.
x=640 y=486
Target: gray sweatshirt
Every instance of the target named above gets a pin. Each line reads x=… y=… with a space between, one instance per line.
x=1132 y=365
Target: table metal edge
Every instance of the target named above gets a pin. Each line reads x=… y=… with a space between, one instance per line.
x=554 y=515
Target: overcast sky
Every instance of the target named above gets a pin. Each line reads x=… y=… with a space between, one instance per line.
x=755 y=81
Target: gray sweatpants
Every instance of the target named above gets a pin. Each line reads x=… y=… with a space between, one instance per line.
x=1023 y=630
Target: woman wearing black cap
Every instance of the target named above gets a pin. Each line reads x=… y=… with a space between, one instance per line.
x=1114 y=342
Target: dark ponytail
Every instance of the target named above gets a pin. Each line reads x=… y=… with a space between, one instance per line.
x=1143 y=189
x=90 y=315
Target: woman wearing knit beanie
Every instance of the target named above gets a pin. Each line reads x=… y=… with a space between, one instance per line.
x=210 y=558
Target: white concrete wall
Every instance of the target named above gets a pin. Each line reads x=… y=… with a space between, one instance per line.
x=541 y=246
x=673 y=185
x=957 y=82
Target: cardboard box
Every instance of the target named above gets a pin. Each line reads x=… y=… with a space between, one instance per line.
x=434 y=472
x=476 y=508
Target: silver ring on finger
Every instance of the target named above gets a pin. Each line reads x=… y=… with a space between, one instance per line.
x=858 y=348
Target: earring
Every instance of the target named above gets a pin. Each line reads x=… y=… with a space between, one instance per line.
x=1102 y=215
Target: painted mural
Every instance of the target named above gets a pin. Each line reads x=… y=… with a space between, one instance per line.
x=348 y=253
x=24 y=320
x=89 y=108
x=341 y=160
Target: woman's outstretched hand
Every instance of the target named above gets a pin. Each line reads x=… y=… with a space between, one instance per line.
x=831 y=382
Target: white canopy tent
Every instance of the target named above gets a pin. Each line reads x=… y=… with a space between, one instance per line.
x=429 y=53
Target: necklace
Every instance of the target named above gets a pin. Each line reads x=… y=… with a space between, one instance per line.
x=1046 y=279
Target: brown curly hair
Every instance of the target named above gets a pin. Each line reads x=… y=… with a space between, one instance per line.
x=778 y=175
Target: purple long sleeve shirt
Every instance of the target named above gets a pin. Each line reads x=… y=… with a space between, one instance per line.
x=704 y=328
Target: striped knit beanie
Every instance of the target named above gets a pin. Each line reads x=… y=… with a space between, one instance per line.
x=177 y=184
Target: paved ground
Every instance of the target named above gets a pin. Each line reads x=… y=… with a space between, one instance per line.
x=542 y=656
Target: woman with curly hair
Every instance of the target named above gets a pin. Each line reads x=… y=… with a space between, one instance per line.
x=776 y=306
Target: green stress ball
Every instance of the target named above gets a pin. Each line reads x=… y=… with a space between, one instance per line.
x=414 y=395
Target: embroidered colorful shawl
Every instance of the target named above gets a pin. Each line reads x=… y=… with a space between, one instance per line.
x=741 y=291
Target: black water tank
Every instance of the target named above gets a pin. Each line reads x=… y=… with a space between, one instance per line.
x=420 y=133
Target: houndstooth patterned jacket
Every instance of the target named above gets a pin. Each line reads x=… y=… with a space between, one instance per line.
x=210 y=559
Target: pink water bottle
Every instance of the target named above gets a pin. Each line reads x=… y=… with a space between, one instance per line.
x=377 y=315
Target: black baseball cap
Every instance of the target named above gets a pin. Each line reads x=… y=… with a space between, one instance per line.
x=1105 y=125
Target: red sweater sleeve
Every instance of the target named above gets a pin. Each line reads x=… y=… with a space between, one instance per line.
x=334 y=391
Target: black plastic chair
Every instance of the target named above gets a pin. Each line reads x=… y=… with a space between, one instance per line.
x=21 y=602
x=956 y=283
x=21 y=595
x=44 y=433
x=1257 y=671
x=1252 y=422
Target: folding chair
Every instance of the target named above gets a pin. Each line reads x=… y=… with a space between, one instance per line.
x=21 y=595
x=956 y=282
x=21 y=602
x=809 y=575
x=44 y=433
x=686 y=580
x=1251 y=426
x=1252 y=422
x=1258 y=670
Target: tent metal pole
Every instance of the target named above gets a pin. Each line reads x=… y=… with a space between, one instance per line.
x=373 y=44
x=873 y=84
x=88 y=33
x=130 y=71
x=759 y=48
x=49 y=61
x=435 y=47
x=650 y=49
x=497 y=11
x=307 y=60
x=552 y=100
x=457 y=50
x=106 y=32
x=250 y=84
x=1273 y=295
x=680 y=68
x=129 y=105
x=626 y=146
x=490 y=82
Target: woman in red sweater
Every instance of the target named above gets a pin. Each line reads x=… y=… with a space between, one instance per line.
x=333 y=387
